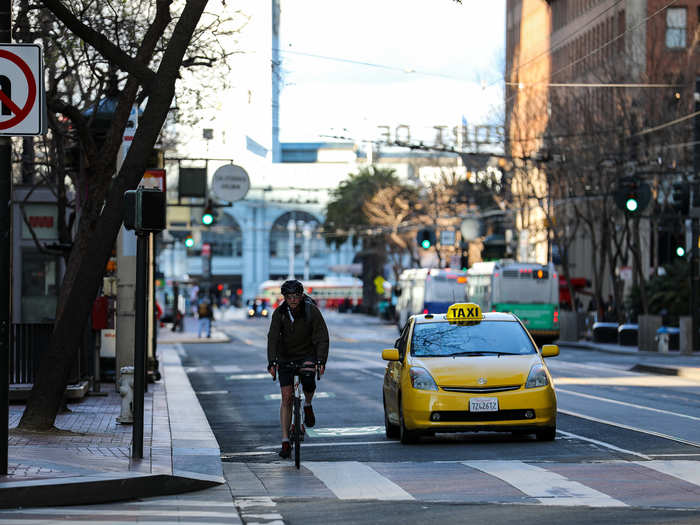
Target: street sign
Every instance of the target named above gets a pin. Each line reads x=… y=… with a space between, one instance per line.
x=21 y=90
x=230 y=183
x=471 y=229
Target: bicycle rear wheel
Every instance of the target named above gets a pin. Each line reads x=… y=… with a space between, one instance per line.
x=297 y=432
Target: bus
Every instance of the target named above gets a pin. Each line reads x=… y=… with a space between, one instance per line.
x=428 y=291
x=529 y=290
x=330 y=292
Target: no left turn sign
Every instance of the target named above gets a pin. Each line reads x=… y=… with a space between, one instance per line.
x=21 y=89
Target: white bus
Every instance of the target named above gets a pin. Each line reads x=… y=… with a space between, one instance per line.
x=428 y=291
x=529 y=290
x=330 y=292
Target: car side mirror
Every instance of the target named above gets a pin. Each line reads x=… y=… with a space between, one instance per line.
x=550 y=350
x=390 y=354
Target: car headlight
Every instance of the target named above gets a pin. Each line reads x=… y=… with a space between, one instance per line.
x=421 y=379
x=537 y=377
x=264 y=313
x=251 y=312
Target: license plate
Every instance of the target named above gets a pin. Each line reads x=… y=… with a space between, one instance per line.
x=483 y=404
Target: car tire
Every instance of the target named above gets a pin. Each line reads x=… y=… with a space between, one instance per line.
x=406 y=436
x=546 y=434
x=392 y=431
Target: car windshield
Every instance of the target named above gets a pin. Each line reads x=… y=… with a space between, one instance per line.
x=485 y=338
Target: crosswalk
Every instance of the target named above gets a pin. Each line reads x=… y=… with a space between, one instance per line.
x=255 y=491
x=646 y=484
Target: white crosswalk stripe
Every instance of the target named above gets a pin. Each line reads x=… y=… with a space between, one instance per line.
x=355 y=480
x=550 y=488
x=600 y=484
x=686 y=470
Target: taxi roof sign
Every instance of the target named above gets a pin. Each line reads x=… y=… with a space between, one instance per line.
x=464 y=313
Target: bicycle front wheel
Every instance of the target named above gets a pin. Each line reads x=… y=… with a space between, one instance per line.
x=297 y=432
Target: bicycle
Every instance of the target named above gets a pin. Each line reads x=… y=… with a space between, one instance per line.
x=297 y=431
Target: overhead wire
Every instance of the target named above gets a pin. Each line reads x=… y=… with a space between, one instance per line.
x=603 y=46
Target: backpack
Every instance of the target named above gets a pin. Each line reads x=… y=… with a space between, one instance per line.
x=203 y=309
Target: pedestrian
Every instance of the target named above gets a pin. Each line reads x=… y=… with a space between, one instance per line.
x=297 y=341
x=204 y=313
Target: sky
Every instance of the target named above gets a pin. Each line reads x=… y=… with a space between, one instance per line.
x=427 y=62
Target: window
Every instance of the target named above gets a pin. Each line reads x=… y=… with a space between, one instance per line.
x=444 y=339
x=676 y=23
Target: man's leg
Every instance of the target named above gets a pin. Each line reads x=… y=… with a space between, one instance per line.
x=286 y=410
x=308 y=383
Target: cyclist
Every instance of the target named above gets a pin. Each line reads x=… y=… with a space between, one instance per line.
x=297 y=340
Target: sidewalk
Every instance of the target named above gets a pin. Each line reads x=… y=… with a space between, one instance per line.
x=189 y=334
x=88 y=458
x=672 y=363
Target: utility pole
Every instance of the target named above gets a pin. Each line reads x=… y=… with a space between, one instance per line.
x=694 y=215
x=5 y=261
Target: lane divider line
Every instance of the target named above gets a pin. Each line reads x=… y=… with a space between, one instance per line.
x=603 y=444
x=624 y=403
x=628 y=427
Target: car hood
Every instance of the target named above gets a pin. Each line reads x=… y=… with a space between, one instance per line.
x=467 y=371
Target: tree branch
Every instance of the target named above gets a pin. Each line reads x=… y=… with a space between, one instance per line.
x=101 y=43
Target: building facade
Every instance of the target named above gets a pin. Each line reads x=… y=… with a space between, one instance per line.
x=599 y=92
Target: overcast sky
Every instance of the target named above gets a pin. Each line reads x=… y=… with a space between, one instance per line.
x=428 y=62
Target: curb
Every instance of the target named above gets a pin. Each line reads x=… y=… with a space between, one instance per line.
x=687 y=372
x=85 y=490
x=184 y=456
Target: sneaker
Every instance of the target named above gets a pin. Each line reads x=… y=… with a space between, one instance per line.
x=309 y=418
x=286 y=450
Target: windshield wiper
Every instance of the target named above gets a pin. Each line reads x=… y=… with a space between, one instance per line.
x=480 y=352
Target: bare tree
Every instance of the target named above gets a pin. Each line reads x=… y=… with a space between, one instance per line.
x=131 y=66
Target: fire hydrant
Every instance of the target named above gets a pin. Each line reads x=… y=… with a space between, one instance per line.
x=662 y=337
x=126 y=390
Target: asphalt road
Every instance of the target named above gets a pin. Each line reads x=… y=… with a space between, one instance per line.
x=627 y=448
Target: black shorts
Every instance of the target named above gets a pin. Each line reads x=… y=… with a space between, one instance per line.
x=307 y=374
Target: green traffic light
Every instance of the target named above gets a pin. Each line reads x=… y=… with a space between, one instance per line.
x=189 y=242
x=425 y=243
x=680 y=251
x=207 y=219
x=631 y=204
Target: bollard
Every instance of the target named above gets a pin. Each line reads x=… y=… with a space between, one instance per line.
x=126 y=390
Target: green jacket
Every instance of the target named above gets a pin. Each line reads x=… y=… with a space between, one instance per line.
x=306 y=336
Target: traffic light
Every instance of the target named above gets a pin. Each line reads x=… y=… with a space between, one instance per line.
x=632 y=195
x=680 y=197
x=680 y=250
x=426 y=238
x=189 y=241
x=209 y=214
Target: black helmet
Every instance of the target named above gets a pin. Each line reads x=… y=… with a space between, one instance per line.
x=291 y=287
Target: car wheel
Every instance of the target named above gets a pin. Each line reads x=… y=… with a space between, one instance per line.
x=406 y=436
x=392 y=431
x=546 y=434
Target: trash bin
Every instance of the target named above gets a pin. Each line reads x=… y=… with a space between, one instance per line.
x=628 y=335
x=605 y=332
x=674 y=336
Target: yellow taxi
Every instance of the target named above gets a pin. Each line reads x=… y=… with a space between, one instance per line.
x=467 y=371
